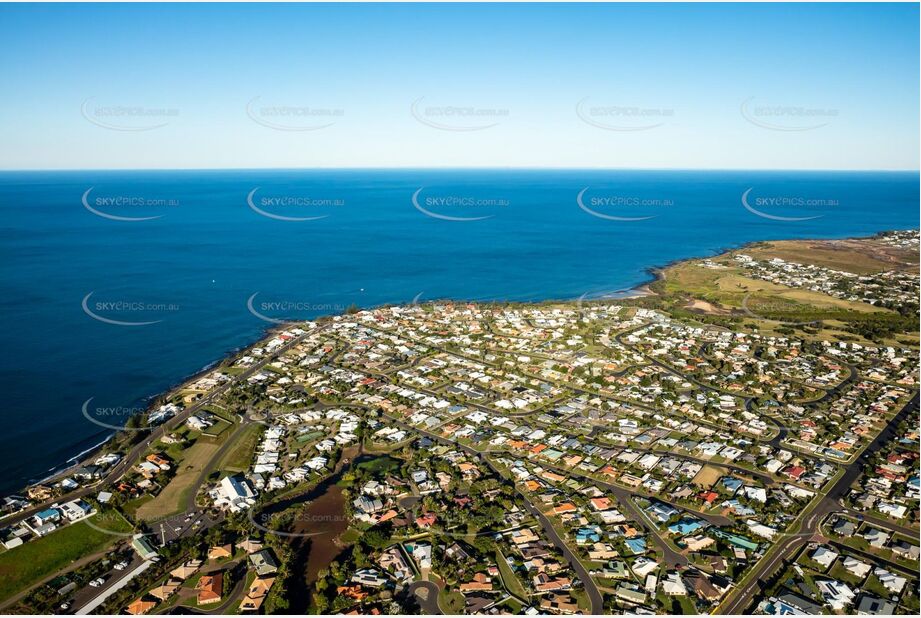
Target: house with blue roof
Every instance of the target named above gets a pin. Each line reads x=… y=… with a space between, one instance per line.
x=587 y=535
x=685 y=526
x=735 y=539
x=731 y=484
x=637 y=545
x=738 y=508
x=47 y=516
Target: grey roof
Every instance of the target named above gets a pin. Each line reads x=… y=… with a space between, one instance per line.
x=874 y=606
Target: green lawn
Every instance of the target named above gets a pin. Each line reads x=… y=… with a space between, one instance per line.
x=876 y=587
x=512 y=583
x=380 y=466
x=672 y=604
x=172 y=498
x=240 y=456
x=581 y=598
x=217 y=429
x=451 y=602
x=513 y=606
x=131 y=506
x=839 y=572
x=24 y=566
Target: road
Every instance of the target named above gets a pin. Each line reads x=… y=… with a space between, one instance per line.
x=428 y=600
x=115 y=587
x=908 y=531
x=741 y=599
x=125 y=464
x=86 y=597
x=764 y=477
x=625 y=500
x=591 y=589
x=73 y=566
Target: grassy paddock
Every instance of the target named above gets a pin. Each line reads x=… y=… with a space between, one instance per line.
x=170 y=500
x=24 y=566
x=240 y=456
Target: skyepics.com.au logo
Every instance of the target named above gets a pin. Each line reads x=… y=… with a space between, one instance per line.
x=112 y=417
x=626 y=118
x=294 y=118
x=287 y=310
x=461 y=118
x=791 y=208
x=292 y=207
x=116 y=207
x=615 y=206
x=299 y=524
x=117 y=311
x=456 y=207
x=787 y=118
x=130 y=118
x=119 y=524
x=788 y=313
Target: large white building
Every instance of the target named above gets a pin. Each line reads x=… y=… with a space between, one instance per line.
x=234 y=493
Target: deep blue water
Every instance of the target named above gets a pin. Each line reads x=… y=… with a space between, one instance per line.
x=192 y=270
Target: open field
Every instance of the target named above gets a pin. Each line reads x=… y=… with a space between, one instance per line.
x=511 y=582
x=171 y=498
x=240 y=455
x=719 y=291
x=32 y=562
x=727 y=288
x=820 y=253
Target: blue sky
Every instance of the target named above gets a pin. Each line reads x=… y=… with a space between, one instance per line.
x=772 y=86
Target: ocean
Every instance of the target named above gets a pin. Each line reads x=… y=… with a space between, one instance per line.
x=117 y=285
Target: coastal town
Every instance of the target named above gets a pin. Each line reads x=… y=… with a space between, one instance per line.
x=741 y=437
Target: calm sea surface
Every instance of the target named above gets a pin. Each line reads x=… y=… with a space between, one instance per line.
x=117 y=285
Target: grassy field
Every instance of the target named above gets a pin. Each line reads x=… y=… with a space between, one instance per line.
x=130 y=508
x=172 y=498
x=861 y=257
x=728 y=287
x=512 y=583
x=240 y=455
x=727 y=296
x=581 y=597
x=217 y=429
x=451 y=601
x=380 y=466
x=24 y=566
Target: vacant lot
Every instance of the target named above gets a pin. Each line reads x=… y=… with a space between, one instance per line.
x=240 y=455
x=25 y=566
x=172 y=499
x=728 y=286
x=856 y=256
